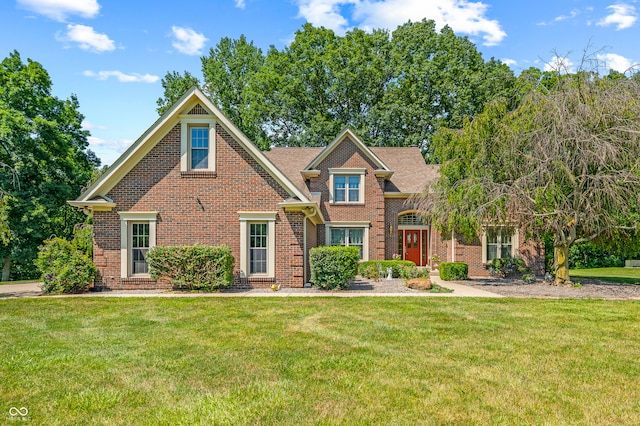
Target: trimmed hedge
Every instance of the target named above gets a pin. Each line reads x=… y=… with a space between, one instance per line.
x=371 y=268
x=454 y=271
x=332 y=267
x=198 y=267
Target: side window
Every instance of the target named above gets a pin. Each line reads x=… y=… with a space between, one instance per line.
x=139 y=248
x=199 y=145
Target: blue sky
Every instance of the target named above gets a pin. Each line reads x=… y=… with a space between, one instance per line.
x=113 y=54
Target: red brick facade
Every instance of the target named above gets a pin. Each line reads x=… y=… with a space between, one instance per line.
x=191 y=207
x=196 y=208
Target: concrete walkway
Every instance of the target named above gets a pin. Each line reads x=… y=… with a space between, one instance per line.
x=382 y=288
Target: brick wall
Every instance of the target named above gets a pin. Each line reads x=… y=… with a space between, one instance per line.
x=348 y=155
x=198 y=208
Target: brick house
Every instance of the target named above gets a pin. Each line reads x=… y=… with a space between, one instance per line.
x=193 y=177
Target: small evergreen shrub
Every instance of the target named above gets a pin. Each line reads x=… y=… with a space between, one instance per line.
x=332 y=267
x=371 y=268
x=198 y=267
x=507 y=267
x=454 y=271
x=64 y=267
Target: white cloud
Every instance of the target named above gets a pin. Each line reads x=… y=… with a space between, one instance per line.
x=108 y=150
x=559 y=64
x=59 y=10
x=187 y=41
x=574 y=13
x=461 y=15
x=87 y=39
x=240 y=4
x=615 y=62
x=87 y=125
x=623 y=16
x=122 y=77
x=509 y=62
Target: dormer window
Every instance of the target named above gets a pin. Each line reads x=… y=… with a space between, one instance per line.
x=346 y=186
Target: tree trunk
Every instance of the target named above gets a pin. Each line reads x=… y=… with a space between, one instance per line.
x=6 y=269
x=561 y=261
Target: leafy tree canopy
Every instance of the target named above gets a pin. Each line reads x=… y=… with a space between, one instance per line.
x=44 y=161
x=393 y=89
x=564 y=162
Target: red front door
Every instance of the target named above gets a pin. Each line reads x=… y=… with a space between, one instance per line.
x=412 y=246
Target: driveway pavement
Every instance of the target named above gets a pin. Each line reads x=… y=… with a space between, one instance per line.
x=381 y=288
x=20 y=290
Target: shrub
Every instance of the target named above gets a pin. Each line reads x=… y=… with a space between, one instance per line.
x=373 y=268
x=409 y=272
x=332 y=267
x=507 y=266
x=589 y=255
x=454 y=271
x=198 y=267
x=64 y=267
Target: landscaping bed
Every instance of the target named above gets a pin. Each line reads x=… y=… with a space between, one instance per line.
x=587 y=288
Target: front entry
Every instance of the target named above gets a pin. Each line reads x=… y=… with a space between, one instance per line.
x=415 y=243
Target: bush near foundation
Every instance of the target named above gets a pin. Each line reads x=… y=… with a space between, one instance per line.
x=333 y=267
x=454 y=271
x=197 y=267
x=65 y=268
x=371 y=268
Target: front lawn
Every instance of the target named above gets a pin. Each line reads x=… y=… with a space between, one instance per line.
x=614 y=275
x=320 y=361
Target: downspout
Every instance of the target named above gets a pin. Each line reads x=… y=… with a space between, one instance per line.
x=453 y=246
x=307 y=214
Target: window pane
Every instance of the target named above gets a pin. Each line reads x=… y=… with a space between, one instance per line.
x=139 y=248
x=199 y=137
x=199 y=147
x=505 y=250
x=199 y=158
x=356 y=236
x=492 y=251
x=257 y=248
x=354 y=188
x=338 y=236
x=339 y=191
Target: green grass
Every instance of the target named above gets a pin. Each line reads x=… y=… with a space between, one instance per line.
x=320 y=361
x=614 y=275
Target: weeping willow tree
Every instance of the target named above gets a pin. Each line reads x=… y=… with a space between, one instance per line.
x=564 y=162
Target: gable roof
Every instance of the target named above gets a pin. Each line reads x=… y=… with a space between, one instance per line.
x=191 y=99
x=410 y=172
x=347 y=133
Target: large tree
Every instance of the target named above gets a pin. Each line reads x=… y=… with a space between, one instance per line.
x=565 y=163
x=44 y=162
x=393 y=89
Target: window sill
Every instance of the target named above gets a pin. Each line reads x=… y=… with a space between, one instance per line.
x=345 y=203
x=206 y=174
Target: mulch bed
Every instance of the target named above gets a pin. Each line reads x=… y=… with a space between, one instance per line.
x=591 y=289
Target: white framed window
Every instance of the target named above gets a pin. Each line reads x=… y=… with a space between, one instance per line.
x=346 y=186
x=499 y=242
x=139 y=246
x=349 y=234
x=197 y=146
x=258 y=247
x=257 y=244
x=137 y=236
